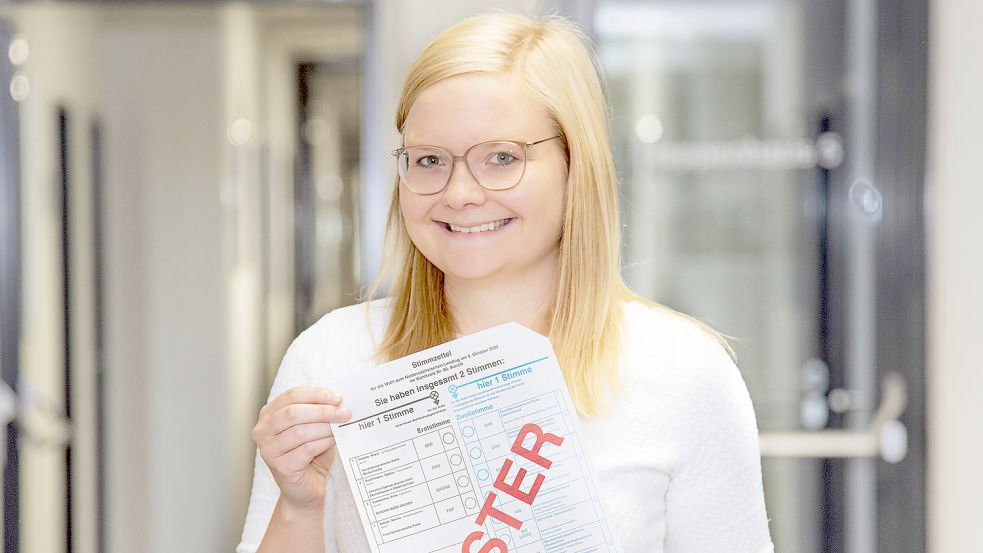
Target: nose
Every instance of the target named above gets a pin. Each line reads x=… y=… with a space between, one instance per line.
x=462 y=189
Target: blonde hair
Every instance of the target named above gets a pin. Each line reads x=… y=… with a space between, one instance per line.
x=558 y=69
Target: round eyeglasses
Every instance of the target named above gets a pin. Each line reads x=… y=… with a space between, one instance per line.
x=495 y=165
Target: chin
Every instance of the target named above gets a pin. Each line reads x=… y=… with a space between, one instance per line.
x=467 y=272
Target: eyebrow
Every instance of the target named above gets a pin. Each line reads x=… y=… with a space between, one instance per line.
x=509 y=136
x=422 y=143
x=504 y=138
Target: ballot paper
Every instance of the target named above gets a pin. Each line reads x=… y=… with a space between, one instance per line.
x=472 y=446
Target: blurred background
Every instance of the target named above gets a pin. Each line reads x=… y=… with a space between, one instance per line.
x=184 y=186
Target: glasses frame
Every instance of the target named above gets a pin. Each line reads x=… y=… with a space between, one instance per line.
x=464 y=157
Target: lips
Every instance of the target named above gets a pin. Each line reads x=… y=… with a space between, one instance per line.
x=485 y=227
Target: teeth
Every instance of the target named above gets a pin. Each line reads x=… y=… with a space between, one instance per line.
x=480 y=228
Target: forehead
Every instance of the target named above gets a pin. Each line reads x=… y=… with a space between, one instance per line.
x=464 y=110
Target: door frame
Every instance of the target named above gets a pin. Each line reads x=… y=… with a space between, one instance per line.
x=10 y=283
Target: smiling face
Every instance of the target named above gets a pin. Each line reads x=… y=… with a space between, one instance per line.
x=466 y=231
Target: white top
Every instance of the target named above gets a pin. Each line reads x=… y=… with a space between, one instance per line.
x=677 y=455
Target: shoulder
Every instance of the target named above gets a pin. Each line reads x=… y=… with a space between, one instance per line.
x=651 y=329
x=343 y=339
x=355 y=325
x=666 y=348
x=686 y=366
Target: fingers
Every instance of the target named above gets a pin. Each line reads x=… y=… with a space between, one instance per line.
x=298 y=414
x=303 y=394
x=295 y=428
x=299 y=458
x=295 y=436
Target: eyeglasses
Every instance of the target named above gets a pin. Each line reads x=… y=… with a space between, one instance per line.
x=495 y=165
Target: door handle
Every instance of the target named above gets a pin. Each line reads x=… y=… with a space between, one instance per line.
x=8 y=414
x=885 y=437
x=40 y=423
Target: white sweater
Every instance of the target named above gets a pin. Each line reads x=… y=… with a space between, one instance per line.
x=677 y=454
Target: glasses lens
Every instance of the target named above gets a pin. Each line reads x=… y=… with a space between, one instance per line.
x=497 y=165
x=425 y=169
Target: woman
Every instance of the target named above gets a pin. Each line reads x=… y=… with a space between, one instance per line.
x=505 y=210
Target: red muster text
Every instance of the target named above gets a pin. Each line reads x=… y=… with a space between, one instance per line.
x=532 y=454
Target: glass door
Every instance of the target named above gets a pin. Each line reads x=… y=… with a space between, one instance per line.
x=745 y=134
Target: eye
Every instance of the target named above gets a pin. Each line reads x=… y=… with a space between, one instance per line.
x=428 y=161
x=503 y=158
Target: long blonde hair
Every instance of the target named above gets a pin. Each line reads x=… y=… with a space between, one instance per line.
x=557 y=67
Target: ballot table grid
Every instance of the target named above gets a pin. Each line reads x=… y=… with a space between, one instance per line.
x=414 y=485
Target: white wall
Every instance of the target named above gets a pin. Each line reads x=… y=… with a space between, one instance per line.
x=188 y=338
x=168 y=399
x=955 y=277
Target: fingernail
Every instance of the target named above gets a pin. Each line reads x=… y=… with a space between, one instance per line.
x=334 y=397
x=344 y=412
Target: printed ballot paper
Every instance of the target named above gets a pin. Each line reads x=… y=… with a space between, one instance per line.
x=471 y=447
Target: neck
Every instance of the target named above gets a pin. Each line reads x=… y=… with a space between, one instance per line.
x=476 y=305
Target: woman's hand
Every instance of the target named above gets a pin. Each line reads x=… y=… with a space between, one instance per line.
x=295 y=439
